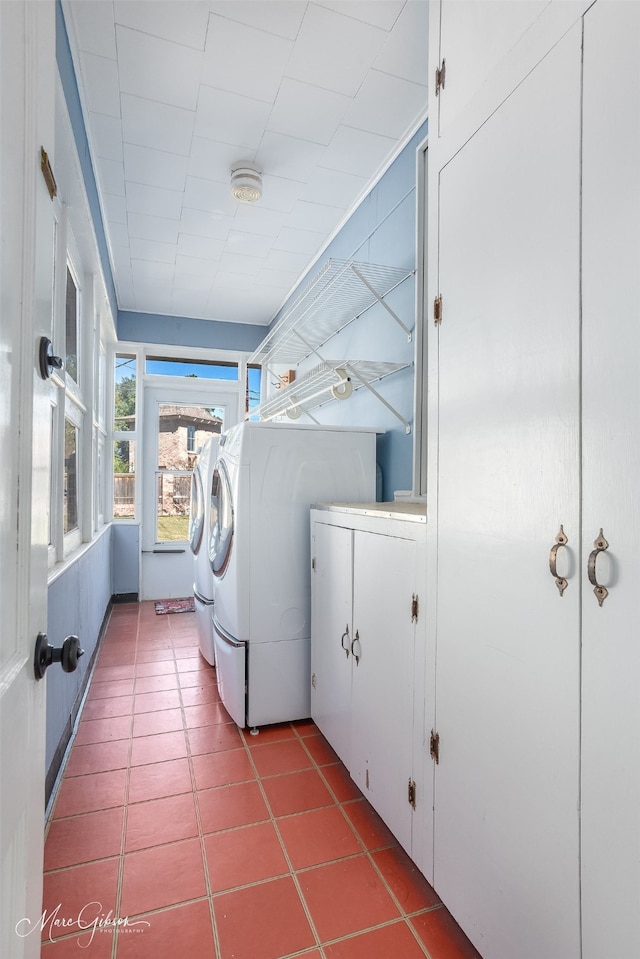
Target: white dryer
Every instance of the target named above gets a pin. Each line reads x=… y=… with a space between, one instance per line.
x=265 y=480
x=198 y=527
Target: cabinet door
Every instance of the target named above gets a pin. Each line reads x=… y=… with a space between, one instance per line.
x=383 y=676
x=331 y=634
x=472 y=40
x=611 y=485
x=507 y=708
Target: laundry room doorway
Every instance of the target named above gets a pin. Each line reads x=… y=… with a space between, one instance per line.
x=178 y=420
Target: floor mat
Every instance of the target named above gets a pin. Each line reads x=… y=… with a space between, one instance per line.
x=175 y=606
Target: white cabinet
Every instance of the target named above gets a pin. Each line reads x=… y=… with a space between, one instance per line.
x=368 y=655
x=533 y=425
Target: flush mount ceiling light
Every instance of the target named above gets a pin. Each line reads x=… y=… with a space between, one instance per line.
x=246 y=184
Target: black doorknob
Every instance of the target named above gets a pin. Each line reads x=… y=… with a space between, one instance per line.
x=67 y=655
x=47 y=361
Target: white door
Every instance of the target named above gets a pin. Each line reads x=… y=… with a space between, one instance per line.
x=611 y=486
x=383 y=676
x=172 y=433
x=27 y=34
x=508 y=644
x=332 y=635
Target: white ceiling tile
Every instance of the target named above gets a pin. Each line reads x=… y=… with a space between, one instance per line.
x=238 y=263
x=101 y=85
x=334 y=188
x=314 y=217
x=283 y=260
x=249 y=244
x=153 y=228
x=155 y=167
x=382 y=13
x=158 y=69
x=184 y=22
x=280 y=193
x=151 y=270
x=114 y=208
x=357 y=152
x=94 y=27
x=152 y=250
x=282 y=280
x=209 y=195
x=405 y=52
x=106 y=136
x=188 y=302
x=121 y=257
x=245 y=60
x=156 y=125
x=197 y=265
x=333 y=51
x=231 y=118
x=386 y=105
x=198 y=282
x=200 y=246
x=299 y=241
x=212 y=160
x=203 y=223
x=281 y=17
x=287 y=156
x=256 y=219
x=154 y=201
x=119 y=238
x=307 y=112
x=239 y=306
x=110 y=174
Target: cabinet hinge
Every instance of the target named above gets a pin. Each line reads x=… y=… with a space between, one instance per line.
x=434 y=746
x=411 y=794
x=437 y=310
x=440 y=77
x=313 y=564
x=414 y=608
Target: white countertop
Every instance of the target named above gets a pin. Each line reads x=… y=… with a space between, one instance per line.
x=413 y=512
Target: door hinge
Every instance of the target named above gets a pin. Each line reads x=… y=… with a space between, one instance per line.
x=437 y=310
x=440 y=77
x=313 y=564
x=434 y=746
x=411 y=794
x=414 y=608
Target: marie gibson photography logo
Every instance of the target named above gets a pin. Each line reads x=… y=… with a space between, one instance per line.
x=89 y=920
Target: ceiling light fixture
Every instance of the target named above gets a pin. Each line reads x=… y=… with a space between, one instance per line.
x=246 y=184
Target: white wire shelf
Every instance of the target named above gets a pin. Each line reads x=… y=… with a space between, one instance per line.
x=338 y=294
x=331 y=379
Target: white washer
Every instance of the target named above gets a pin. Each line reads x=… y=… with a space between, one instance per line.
x=265 y=480
x=203 y=585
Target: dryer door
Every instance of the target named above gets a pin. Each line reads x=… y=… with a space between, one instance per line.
x=220 y=520
x=196 y=512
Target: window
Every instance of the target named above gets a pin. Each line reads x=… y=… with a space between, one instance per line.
x=71 y=328
x=124 y=435
x=205 y=369
x=70 y=499
x=191 y=438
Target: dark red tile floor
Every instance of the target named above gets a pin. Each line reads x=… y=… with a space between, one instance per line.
x=207 y=842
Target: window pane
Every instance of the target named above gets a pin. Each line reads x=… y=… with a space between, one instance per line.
x=194 y=368
x=125 y=393
x=52 y=477
x=254 y=375
x=182 y=430
x=124 y=480
x=71 y=341
x=174 y=492
x=70 y=504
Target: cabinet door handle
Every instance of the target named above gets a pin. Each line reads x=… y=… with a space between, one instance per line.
x=346 y=648
x=601 y=592
x=356 y=656
x=561 y=540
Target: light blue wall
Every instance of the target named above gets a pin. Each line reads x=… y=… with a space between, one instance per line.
x=186 y=331
x=77 y=602
x=382 y=231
